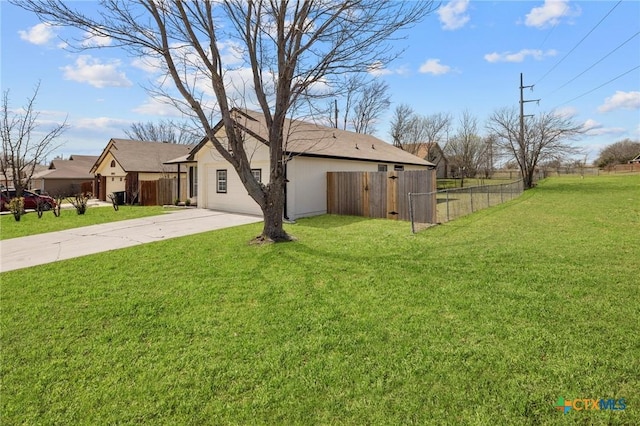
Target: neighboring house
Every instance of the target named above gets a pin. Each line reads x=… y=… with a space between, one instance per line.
x=635 y=159
x=312 y=151
x=6 y=176
x=124 y=163
x=66 y=177
x=431 y=152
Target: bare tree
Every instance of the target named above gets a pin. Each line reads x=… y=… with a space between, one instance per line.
x=404 y=127
x=466 y=148
x=23 y=145
x=487 y=156
x=362 y=105
x=618 y=153
x=546 y=138
x=289 y=49
x=374 y=100
x=163 y=131
x=410 y=130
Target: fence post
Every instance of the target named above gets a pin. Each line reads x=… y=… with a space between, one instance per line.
x=413 y=229
x=447 y=192
x=471 y=197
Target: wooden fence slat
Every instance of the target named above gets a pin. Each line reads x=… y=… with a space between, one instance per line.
x=392 y=196
x=381 y=194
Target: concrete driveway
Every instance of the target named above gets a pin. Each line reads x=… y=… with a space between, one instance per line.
x=23 y=252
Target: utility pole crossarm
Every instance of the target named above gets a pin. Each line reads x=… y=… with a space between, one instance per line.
x=522 y=102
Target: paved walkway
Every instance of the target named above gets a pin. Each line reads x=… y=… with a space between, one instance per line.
x=23 y=252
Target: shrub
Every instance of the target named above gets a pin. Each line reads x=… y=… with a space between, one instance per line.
x=16 y=207
x=80 y=203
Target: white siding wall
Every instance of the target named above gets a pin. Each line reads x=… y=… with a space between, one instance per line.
x=236 y=199
x=307 y=187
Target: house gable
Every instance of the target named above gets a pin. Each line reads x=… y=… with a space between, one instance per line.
x=109 y=166
x=139 y=156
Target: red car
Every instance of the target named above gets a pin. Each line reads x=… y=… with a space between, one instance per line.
x=31 y=200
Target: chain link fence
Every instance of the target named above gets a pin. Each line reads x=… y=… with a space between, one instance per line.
x=456 y=202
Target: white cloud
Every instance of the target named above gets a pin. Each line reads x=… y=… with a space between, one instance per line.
x=38 y=34
x=520 y=56
x=453 y=14
x=377 y=69
x=549 y=13
x=567 y=112
x=147 y=63
x=96 y=40
x=155 y=106
x=433 y=66
x=90 y=70
x=593 y=128
x=99 y=123
x=621 y=100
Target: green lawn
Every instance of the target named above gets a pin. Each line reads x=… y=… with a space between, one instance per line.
x=31 y=224
x=485 y=320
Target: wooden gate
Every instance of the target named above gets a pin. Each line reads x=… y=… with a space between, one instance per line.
x=381 y=194
x=148 y=193
x=161 y=192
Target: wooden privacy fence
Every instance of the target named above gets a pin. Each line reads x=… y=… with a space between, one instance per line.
x=381 y=194
x=160 y=192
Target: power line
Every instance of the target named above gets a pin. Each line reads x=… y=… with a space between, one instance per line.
x=566 y=6
x=596 y=63
x=580 y=42
x=602 y=85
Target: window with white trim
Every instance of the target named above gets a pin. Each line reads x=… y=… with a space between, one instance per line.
x=221 y=181
x=257 y=174
x=193 y=177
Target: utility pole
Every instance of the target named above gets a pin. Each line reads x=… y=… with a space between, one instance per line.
x=522 y=116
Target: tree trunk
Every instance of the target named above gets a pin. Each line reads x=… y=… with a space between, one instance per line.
x=272 y=212
x=527 y=178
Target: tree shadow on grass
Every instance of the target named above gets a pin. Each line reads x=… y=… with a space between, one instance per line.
x=330 y=221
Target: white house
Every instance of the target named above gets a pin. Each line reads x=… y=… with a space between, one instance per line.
x=311 y=151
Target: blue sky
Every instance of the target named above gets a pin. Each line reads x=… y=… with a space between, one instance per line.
x=582 y=56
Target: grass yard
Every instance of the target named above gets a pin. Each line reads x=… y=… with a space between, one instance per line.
x=30 y=224
x=486 y=320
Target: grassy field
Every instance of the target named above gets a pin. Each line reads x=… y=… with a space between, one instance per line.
x=485 y=320
x=30 y=224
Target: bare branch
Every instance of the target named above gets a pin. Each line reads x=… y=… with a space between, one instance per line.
x=23 y=146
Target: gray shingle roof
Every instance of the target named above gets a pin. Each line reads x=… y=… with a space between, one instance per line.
x=308 y=139
x=76 y=167
x=145 y=156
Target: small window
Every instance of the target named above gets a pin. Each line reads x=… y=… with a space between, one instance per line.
x=113 y=163
x=398 y=168
x=193 y=177
x=221 y=181
x=382 y=167
x=257 y=174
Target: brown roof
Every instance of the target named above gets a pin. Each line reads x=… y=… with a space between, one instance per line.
x=422 y=149
x=308 y=139
x=143 y=156
x=76 y=167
